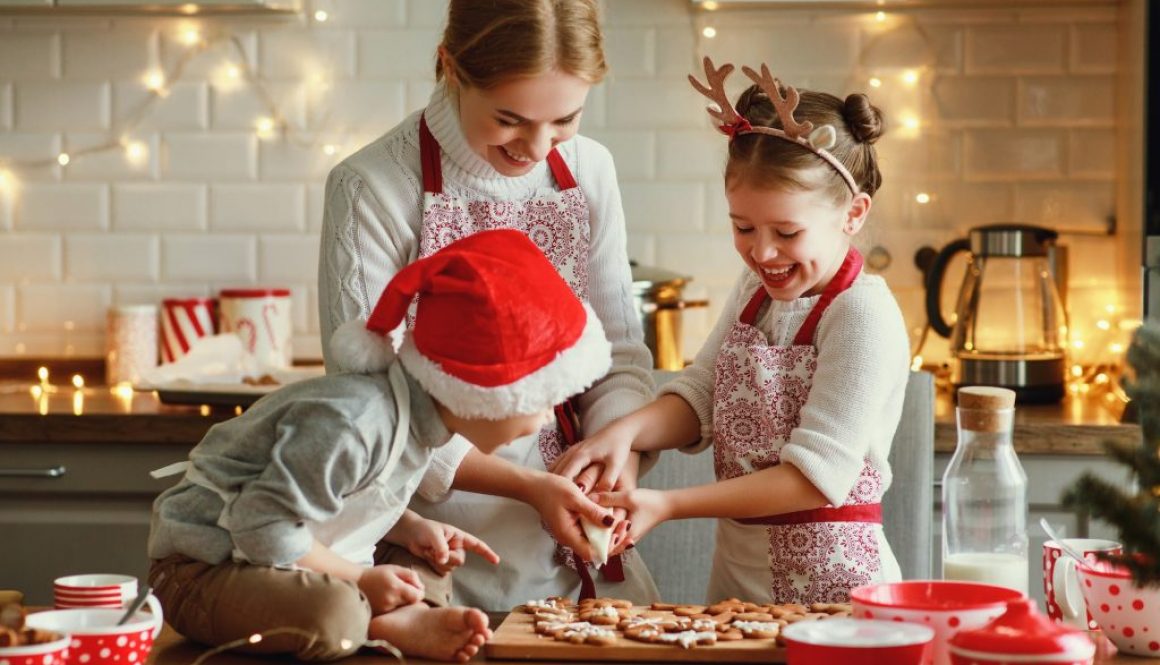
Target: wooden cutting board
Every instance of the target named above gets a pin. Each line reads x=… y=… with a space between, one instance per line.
x=516 y=639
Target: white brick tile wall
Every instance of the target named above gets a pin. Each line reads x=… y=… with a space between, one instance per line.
x=159 y=207
x=1092 y=154
x=31 y=56
x=57 y=207
x=1031 y=49
x=393 y=54
x=220 y=257
x=1014 y=153
x=1088 y=262
x=292 y=259
x=62 y=308
x=1016 y=112
x=214 y=157
x=265 y=207
x=663 y=207
x=80 y=106
x=1093 y=48
x=116 y=164
x=1067 y=100
x=185 y=105
x=100 y=54
x=287 y=54
x=29 y=257
x=93 y=258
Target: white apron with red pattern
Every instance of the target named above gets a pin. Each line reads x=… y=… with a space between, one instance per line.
x=806 y=557
x=532 y=565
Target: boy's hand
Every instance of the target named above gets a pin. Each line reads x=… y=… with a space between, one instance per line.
x=388 y=587
x=607 y=450
x=443 y=546
x=646 y=509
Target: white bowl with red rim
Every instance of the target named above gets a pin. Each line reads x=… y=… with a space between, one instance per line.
x=856 y=642
x=1128 y=614
x=96 y=637
x=946 y=606
x=47 y=653
x=1024 y=636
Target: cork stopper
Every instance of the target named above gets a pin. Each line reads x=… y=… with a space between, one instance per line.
x=984 y=409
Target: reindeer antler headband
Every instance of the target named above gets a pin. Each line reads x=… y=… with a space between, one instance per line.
x=818 y=141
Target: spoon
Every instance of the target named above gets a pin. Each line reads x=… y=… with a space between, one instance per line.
x=1067 y=549
x=142 y=596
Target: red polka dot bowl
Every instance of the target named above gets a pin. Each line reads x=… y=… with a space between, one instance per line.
x=1129 y=615
x=48 y=653
x=96 y=637
x=945 y=606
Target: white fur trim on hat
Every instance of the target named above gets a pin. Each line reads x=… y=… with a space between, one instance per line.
x=569 y=373
x=360 y=351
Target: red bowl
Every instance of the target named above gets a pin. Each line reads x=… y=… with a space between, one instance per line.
x=49 y=653
x=856 y=642
x=945 y=606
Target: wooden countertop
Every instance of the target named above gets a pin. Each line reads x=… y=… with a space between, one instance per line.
x=1075 y=426
x=172 y=649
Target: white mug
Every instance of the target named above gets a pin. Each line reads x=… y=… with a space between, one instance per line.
x=261 y=318
x=97 y=590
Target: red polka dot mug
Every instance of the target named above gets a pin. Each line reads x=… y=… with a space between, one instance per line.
x=1129 y=615
x=48 y=653
x=1061 y=592
x=96 y=637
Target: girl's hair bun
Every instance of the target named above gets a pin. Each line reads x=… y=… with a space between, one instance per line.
x=863 y=118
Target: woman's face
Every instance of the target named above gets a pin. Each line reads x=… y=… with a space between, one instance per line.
x=517 y=123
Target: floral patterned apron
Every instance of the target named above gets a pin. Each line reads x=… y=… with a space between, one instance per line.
x=558 y=222
x=803 y=557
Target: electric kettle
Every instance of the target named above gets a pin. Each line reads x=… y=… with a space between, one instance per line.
x=1010 y=326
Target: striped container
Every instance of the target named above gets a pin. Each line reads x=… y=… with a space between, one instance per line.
x=183 y=322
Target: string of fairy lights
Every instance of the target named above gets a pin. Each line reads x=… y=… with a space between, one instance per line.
x=1095 y=346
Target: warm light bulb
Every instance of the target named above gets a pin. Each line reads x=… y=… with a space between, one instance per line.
x=265 y=127
x=330 y=149
x=875 y=82
x=63 y=159
x=910 y=77
x=1103 y=325
x=880 y=17
x=255 y=638
x=191 y=37
x=1076 y=370
x=42 y=374
x=321 y=16
x=204 y=409
x=345 y=644
x=922 y=197
x=233 y=71
x=910 y=122
x=1077 y=344
x=5 y=179
x=78 y=381
x=710 y=5
x=155 y=81
x=136 y=151
x=1101 y=378
x=124 y=390
x=189 y=8
x=709 y=32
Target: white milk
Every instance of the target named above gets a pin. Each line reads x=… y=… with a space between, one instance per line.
x=1009 y=570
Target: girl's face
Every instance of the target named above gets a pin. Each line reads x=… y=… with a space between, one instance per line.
x=515 y=124
x=794 y=241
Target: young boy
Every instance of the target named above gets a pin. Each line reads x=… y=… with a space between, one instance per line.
x=276 y=521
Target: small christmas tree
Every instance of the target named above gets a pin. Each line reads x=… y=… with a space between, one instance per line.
x=1136 y=515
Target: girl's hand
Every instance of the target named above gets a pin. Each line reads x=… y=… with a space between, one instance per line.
x=443 y=546
x=561 y=505
x=388 y=587
x=646 y=508
x=608 y=449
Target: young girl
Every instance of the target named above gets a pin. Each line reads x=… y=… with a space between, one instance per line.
x=800 y=385
x=496 y=147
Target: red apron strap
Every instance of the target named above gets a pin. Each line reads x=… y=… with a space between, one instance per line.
x=429 y=159
x=862 y=512
x=749 y=314
x=587 y=585
x=560 y=170
x=847 y=273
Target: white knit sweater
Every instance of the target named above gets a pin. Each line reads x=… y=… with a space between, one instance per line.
x=374 y=211
x=858 y=388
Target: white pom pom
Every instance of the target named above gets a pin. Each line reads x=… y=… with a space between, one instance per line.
x=824 y=137
x=358 y=350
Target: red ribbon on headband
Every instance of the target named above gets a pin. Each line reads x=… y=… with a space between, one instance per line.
x=740 y=126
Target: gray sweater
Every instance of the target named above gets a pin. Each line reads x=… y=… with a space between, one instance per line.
x=291 y=459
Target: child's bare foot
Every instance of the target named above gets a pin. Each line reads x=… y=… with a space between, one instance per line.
x=439 y=633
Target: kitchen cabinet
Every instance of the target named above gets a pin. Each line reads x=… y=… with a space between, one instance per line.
x=1047 y=478
x=70 y=508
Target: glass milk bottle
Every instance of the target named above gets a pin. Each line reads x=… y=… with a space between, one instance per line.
x=985 y=495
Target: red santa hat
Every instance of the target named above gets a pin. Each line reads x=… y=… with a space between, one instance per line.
x=497 y=331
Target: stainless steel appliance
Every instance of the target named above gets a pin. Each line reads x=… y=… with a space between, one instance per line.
x=1010 y=325
x=659 y=299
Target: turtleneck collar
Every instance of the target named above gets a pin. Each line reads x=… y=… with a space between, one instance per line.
x=461 y=162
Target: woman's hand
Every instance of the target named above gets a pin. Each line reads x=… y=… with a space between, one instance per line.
x=608 y=450
x=388 y=587
x=646 y=508
x=562 y=505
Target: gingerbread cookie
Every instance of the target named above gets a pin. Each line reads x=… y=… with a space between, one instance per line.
x=593 y=635
x=688 y=610
x=757 y=630
x=550 y=605
x=606 y=615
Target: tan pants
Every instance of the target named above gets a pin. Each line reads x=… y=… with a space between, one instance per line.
x=217 y=604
